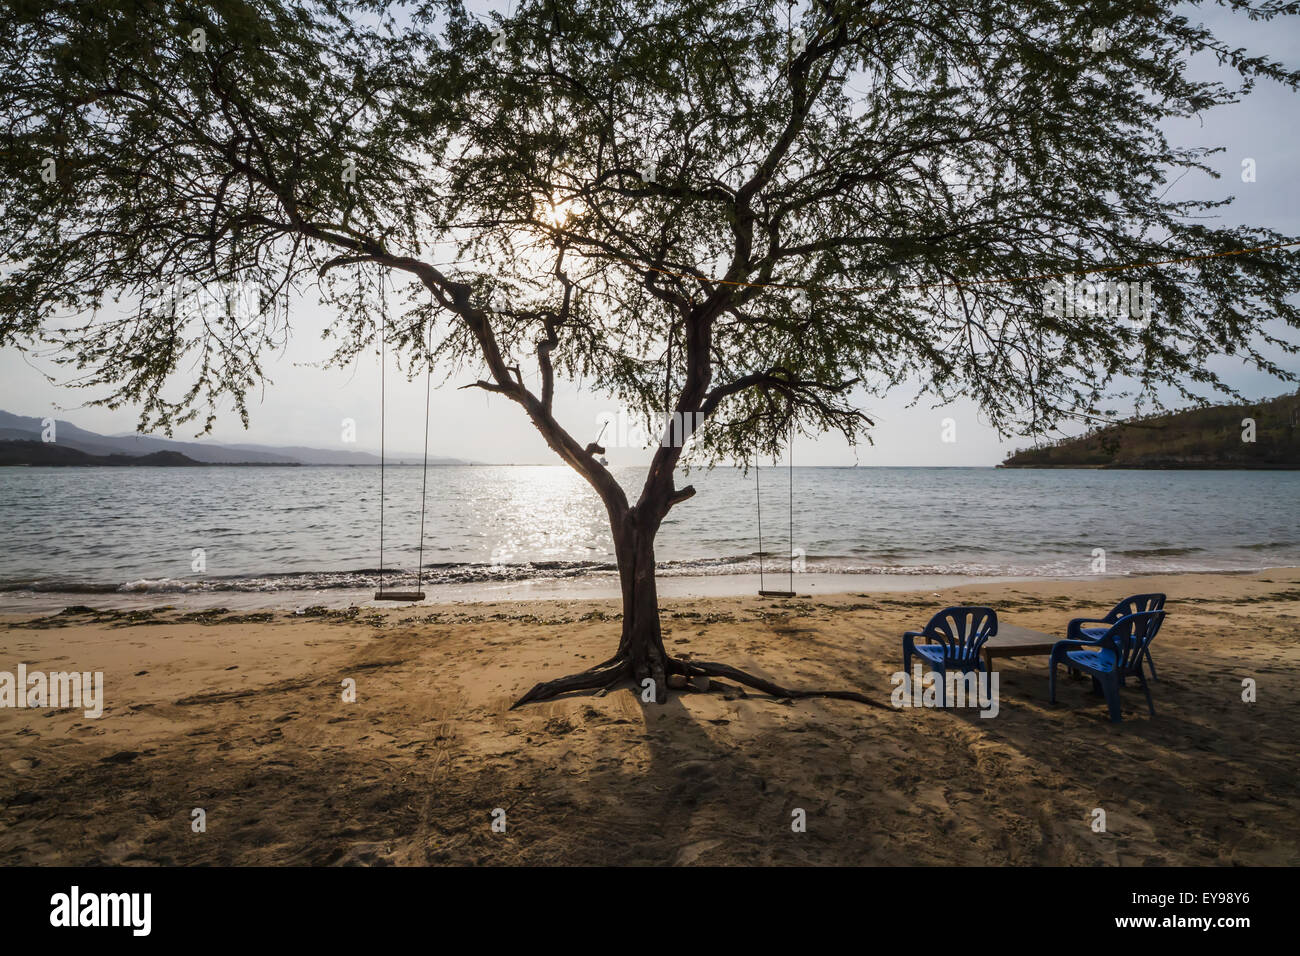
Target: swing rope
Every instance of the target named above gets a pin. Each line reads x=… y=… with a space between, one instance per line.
x=758 y=493
x=424 y=483
x=417 y=594
x=790 y=454
x=383 y=401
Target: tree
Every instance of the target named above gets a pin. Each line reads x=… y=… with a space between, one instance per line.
x=733 y=215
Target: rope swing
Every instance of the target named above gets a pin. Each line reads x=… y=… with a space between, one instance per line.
x=381 y=594
x=762 y=591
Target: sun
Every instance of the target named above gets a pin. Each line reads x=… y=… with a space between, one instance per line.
x=558 y=213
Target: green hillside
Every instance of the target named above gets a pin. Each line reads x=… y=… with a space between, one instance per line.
x=1193 y=438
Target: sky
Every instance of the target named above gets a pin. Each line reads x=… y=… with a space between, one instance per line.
x=304 y=404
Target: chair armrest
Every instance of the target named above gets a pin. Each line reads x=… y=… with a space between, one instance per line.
x=1073 y=632
x=1060 y=648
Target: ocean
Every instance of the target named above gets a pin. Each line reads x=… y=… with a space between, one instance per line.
x=226 y=530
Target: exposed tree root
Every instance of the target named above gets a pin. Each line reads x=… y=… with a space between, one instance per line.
x=601 y=676
x=710 y=669
x=614 y=671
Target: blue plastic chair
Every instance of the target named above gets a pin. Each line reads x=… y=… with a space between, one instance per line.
x=1130 y=605
x=955 y=635
x=1108 y=660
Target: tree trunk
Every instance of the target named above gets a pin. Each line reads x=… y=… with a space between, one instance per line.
x=641 y=644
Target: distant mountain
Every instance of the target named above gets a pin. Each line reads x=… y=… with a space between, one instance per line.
x=87 y=447
x=51 y=453
x=326 y=456
x=1193 y=438
x=319 y=456
x=20 y=428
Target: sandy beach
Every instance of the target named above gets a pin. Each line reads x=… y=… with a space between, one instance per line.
x=242 y=714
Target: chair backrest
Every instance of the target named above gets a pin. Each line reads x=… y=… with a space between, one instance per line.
x=962 y=631
x=1129 y=637
x=1135 y=605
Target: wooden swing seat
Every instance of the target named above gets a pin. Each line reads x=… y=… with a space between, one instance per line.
x=786 y=594
x=399 y=595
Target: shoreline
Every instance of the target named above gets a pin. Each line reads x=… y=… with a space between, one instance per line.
x=671 y=587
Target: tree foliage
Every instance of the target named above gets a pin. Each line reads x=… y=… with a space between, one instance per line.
x=753 y=210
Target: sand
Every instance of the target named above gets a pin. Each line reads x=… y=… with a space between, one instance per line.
x=242 y=715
